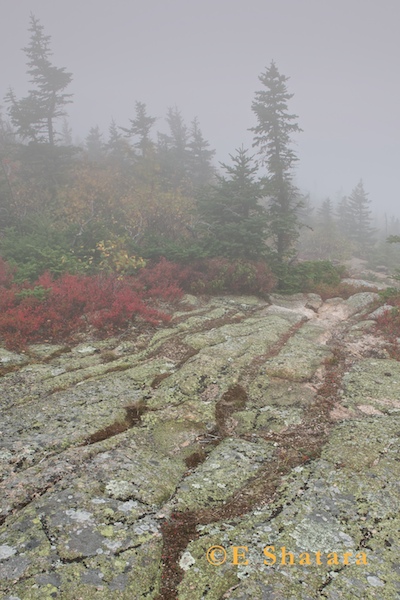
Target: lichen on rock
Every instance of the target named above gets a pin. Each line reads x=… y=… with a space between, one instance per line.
x=252 y=423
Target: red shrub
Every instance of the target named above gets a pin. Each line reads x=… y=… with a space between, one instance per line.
x=54 y=309
x=162 y=280
x=125 y=304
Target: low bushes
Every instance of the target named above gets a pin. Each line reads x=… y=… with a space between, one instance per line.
x=54 y=309
x=340 y=290
x=221 y=275
x=389 y=321
x=51 y=309
x=308 y=276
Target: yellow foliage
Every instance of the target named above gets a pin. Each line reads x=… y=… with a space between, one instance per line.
x=116 y=258
x=137 y=205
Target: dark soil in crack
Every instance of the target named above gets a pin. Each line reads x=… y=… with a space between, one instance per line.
x=297 y=445
x=132 y=419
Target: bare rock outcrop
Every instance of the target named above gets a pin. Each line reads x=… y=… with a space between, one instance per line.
x=248 y=450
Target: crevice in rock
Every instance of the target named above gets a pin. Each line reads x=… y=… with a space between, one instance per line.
x=175 y=345
x=37 y=493
x=366 y=536
x=9 y=369
x=195 y=459
x=229 y=318
x=327 y=582
x=9 y=589
x=298 y=445
x=186 y=353
x=233 y=400
x=274 y=350
x=43 y=522
x=76 y=560
x=177 y=532
x=133 y=414
x=158 y=379
x=120 y=551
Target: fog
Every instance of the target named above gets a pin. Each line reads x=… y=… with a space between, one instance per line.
x=205 y=58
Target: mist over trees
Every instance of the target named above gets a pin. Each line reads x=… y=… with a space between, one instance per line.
x=141 y=192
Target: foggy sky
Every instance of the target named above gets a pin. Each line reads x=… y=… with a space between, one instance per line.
x=205 y=56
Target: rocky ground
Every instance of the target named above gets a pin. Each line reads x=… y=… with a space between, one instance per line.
x=244 y=424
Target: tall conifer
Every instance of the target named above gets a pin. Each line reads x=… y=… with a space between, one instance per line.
x=272 y=137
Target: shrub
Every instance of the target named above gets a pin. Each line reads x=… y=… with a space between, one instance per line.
x=308 y=275
x=51 y=309
x=180 y=250
x=6 y=273
x=221 y=275
x=389 y=321
x=54 y=309
x=38 y=292
x=161 y=280
x=116 y=258
x=43 y=249
x=341 y=290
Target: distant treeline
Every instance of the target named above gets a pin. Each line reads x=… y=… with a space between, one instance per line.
x=133 y=194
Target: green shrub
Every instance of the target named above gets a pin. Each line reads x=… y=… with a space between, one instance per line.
x=306 y=276
x=38 y=292
x=34 y=252
x=221 y=275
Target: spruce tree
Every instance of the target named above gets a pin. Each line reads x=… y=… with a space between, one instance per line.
x=140 y=129
x=117 y=147
x=95 y=145
x=66 y=133
x=344 y=217
x=34 y=116
x=272 y=137
x=173 y=152
x=329 y=243
x=201 y=170
x=361 y=231
x=325 y=217
x=232 y=221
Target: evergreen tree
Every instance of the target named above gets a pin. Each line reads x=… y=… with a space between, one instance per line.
x=34 y=116
x=118 y=148
x=361 y=233
x=325 y=217
x=394 y=226
x=344 y=217
x=94 y=144
x=173 y=152
x=231 y=219
x=7 y=166
x=201 y=170
x=140 y=128
x=66 y=133
x=272 y=138
x=329 y=243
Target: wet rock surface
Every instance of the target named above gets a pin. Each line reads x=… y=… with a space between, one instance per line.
x=267 y=428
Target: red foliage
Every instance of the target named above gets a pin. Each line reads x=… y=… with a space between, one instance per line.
x=389 y=321
x=162 y=280
x=54 y=309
